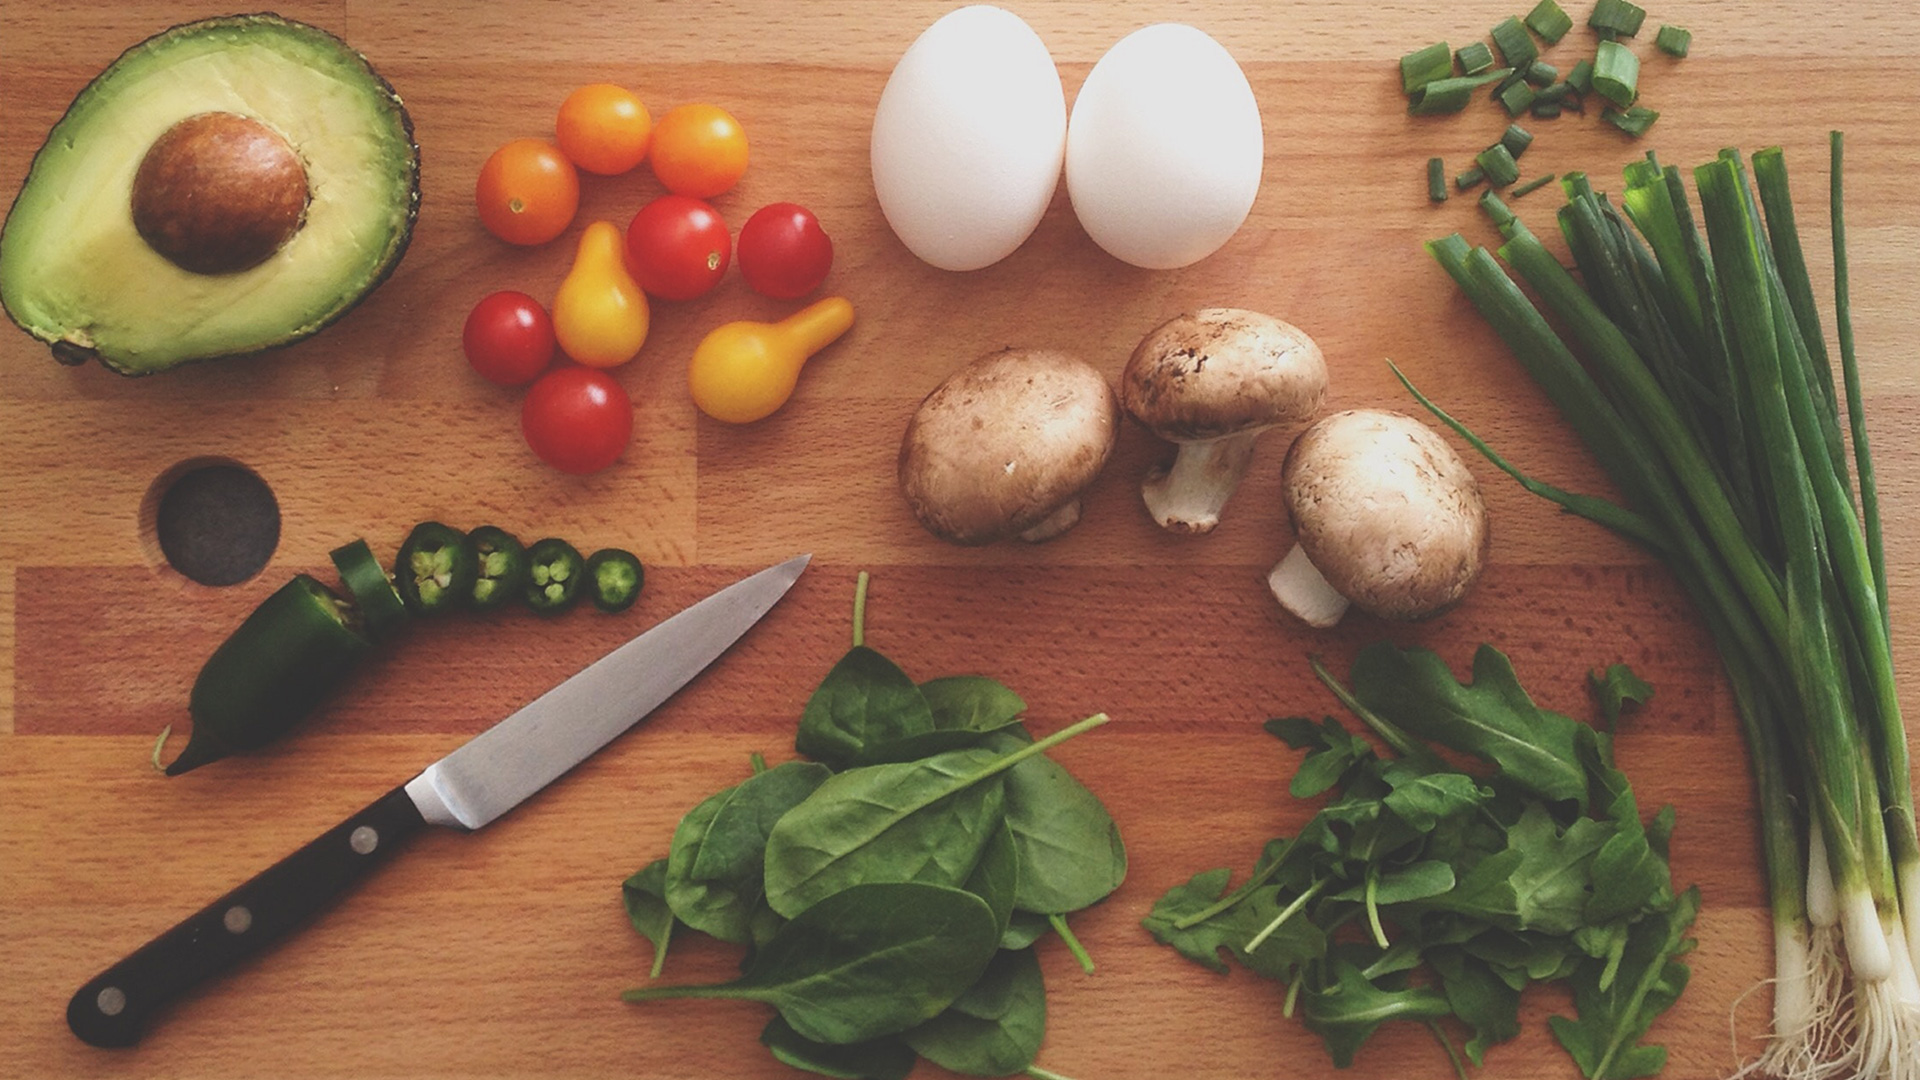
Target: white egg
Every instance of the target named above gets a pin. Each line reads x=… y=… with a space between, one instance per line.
x=968 y=138
x=1165 y=147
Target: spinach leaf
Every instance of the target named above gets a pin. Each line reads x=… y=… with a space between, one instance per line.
x=875 y=1059
x=923 y=820
x=715 y=907
x=966 y=709
x=645 y=896
x=1069 y=848
x=1491 y=718
x=996 y=879
x=995 y=1028
x=735 y=840
x=864 y=701
x=1023 y=929
x=971 y=703
x=1605 y=1040
x=868 y=961
x=912 y=821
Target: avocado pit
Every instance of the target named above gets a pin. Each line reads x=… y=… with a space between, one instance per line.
x=218 y=193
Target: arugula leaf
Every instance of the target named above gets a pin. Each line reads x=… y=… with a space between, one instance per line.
x=876 y=1059
x=1616 y=687
x=1479 y=997
x=645 y=896
x=867 y=961
x=1348 y=1012
x=1331 y=751
x=1491 y=718
x=1297 y=941
x=1605 y=1039
x=995 y=1028
x=864 y=701
x=1424 y=796
x=1416 y=881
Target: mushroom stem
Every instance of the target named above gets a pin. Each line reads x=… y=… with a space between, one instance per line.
x=1054 y=524
x=1303 y=590
x=1188 y=497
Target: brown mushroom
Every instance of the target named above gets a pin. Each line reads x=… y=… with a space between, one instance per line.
x=1211 y=381
x=1385 y=516
x=1006 y=445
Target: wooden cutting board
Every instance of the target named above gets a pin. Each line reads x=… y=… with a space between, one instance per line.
x=503 y=953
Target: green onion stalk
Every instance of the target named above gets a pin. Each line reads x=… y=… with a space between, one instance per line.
x=1695 y=369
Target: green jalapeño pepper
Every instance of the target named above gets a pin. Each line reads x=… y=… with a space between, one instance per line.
x=616 y=578
x=272 y=672
x=381 y=609
x=501 y=564
x=554 y=573
x=436 y=569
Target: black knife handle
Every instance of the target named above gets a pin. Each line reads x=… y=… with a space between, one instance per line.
x=112 y=1010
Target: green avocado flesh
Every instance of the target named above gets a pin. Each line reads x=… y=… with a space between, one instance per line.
x=75 y=273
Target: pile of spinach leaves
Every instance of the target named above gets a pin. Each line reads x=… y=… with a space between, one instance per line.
x=1421 y=891
x=891 y=890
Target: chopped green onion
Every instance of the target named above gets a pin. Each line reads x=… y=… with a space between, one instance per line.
x=1581 y=77
x=1436 y=179
x=1515 y=44
x=1553 y=94
x=1616 y=73
x=1451 y=95
x=1673 y=40
x=1616 y=17
x=1541 y=73
x=1422 y=66
x=1546 y=110
x=1497 y=163
x=1516 y=139
x=1469 y=178
x=1532 y=185
x=1475 y=58
x=1634 y=121
x=1518 y=98
x=1550 y=21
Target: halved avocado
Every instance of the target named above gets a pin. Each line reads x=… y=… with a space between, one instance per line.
x=270 y=163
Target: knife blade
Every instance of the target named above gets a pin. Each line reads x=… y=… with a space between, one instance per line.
x=482 y=779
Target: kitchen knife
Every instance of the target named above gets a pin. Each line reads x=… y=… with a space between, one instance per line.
x=484 y=778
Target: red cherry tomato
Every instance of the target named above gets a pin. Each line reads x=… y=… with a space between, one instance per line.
x=677 y=248
x=577 y=419
x=783 y=251
x=508 y=338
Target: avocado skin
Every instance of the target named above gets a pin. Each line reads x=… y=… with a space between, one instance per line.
x=73 y=354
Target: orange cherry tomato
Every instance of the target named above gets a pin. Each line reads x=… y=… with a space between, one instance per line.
x=603 y=129
x=698 y=150
x=528 y=192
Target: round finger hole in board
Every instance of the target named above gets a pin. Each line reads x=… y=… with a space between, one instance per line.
x=213 y=520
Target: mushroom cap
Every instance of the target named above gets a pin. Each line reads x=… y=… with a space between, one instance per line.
x=1004 y=442
x=1387 y=512
x=1221 y=371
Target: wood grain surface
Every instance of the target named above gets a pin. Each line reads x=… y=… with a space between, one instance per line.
x=502 y=954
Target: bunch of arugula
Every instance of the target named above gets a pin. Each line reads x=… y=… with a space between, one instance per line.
x=891 y=891
x=1421 y=891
